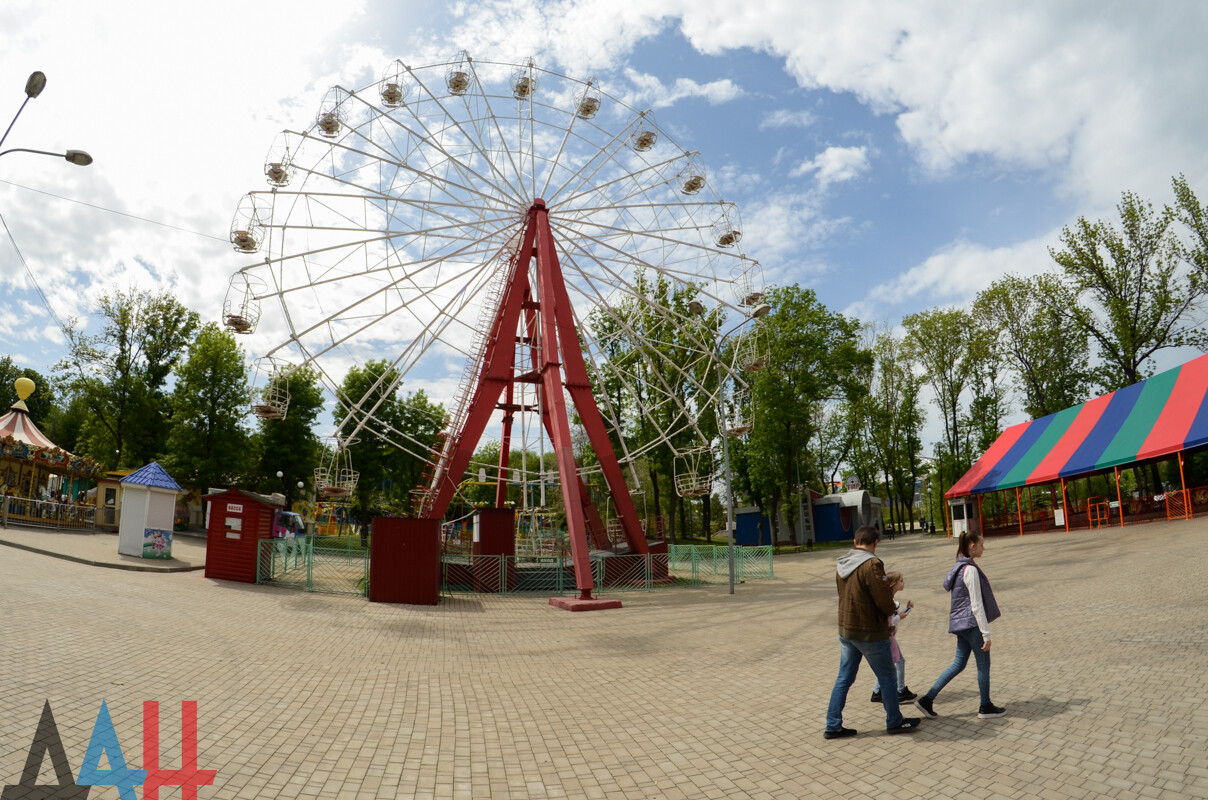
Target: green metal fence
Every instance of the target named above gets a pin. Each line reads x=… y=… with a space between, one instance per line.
x=340 y=565
x=336 y=565
x=711 y=563
x=681 y=566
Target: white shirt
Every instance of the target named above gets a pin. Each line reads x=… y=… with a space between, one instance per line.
x=972 y=579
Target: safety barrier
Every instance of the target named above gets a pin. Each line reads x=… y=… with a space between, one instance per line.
x=315 y=563
x=683 y=565
x=47 y=514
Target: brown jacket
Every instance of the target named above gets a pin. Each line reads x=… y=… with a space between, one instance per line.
x=865 y=601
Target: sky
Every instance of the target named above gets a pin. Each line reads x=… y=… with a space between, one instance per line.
x=892 y=157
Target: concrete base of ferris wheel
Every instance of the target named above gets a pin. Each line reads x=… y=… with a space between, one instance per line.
x=579 y=604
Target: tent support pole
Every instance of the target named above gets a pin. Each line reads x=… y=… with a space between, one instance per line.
x=1183 y=489
x=1019 y=510
x=1119 y=496
x=981 y=527
x=1065 y=512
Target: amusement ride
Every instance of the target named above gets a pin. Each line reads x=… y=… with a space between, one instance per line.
x=509 y=222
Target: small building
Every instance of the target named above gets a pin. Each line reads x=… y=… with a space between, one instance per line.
x=837 y=516
x=149 y=502
x=238 y=522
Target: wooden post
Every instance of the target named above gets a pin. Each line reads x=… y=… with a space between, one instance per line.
x=1065 y=512
x=1183 y=489
x=1019 y=510
x=1119 y=497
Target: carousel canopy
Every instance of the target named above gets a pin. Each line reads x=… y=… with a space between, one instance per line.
x=17 y=424
x=1155 y=417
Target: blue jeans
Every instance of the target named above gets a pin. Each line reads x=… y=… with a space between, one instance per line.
x=967 y=641
x=899 y=669
x=881 y=660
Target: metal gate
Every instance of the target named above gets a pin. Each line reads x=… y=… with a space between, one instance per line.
x=332 y=564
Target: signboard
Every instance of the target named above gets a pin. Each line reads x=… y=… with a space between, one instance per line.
x=234 y=508
x=157 y=543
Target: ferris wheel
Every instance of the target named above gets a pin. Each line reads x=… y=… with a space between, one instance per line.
x=398 y=222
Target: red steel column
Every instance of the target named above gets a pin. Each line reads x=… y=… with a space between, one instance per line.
x=555 y=403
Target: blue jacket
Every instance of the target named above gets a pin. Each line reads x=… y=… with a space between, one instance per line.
x=961 y=617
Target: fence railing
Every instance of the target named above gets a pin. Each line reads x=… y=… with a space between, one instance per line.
x=46 y=514
x=315 y=563
x=712 y=562
x=682 y=565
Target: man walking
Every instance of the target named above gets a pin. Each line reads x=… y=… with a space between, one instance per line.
x=865 y=606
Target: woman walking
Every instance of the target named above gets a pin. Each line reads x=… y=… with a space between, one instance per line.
x=973 y=609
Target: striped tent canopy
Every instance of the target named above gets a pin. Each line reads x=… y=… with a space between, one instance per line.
x=1155 y=417
x=17 y=424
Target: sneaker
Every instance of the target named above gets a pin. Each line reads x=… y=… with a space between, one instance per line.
x=842 y=733
x=989 y=711
x=908 y=725
x=924 y=704
x=876 y=697
x=905 y=695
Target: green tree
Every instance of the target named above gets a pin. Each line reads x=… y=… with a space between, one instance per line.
x=940 y=340
x=1195 y=219
x=657 y=377
x=289 y=445
x=1129 y=288
x=120 y=374
x=812 y=355
x=208 y=443
x=1047 y=356
x=393 y=433
x=893 y=423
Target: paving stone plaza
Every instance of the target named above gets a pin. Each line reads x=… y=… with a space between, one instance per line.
x=1100 y=658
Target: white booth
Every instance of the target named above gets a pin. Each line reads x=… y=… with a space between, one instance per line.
x=148 y=511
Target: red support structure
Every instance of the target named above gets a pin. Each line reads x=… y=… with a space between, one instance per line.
x=558 y=365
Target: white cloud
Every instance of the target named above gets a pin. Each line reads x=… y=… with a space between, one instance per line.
x=835 y=165
x=649 y=91
x=785 y=118
x=955 y=274
x=1110 y=96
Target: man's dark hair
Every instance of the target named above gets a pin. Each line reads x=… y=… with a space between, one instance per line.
x=866 y=535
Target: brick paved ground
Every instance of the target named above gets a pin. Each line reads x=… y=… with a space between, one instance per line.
x=1100 y=658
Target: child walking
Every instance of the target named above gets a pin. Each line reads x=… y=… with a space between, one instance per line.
x=897 y=582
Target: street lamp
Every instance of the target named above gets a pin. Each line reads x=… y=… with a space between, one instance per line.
x=33 y=88
x=698 y=309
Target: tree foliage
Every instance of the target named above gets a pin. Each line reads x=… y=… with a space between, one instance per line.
x=1047 y=356
x=208 y=443
x=942 y=342
x=394 y=434
x=289 y=445
x=1132 y=287
x=120 y=374
x=656 y=379
x=812 y=357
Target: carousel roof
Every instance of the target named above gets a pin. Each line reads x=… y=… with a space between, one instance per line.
x=17 y=424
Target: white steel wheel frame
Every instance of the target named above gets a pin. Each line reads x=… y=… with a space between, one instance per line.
x=388 y=236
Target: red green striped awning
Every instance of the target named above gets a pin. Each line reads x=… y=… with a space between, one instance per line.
x=1156 y=417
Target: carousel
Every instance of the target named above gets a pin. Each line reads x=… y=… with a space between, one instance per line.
x=43 y=484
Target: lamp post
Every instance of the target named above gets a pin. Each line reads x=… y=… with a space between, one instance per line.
x=698 y=309
x=33 y=88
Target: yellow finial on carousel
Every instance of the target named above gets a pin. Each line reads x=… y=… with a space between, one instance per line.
x=25 y=387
